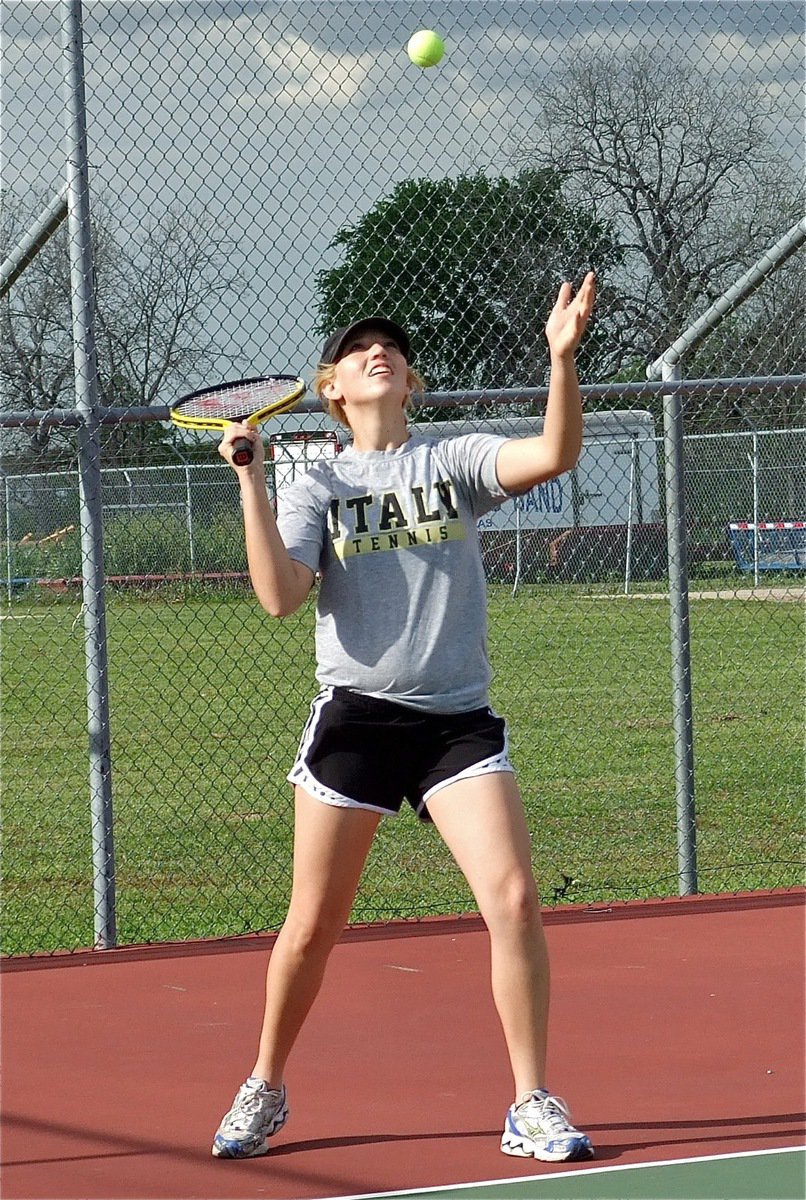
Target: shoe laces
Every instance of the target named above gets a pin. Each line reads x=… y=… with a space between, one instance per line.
x=552 y=1112
x=249 y=1105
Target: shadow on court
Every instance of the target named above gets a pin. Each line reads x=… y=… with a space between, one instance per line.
x=677 y=1032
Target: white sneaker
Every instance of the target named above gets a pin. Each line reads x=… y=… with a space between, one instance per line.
x=539 y=1126
x=258 y=1111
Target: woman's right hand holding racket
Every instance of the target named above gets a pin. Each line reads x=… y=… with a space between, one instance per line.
x=241 y=445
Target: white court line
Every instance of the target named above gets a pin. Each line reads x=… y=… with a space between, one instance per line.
x=23 y=616
x=518 y=1179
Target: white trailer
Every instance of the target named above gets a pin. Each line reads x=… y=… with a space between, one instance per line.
x=615 y=481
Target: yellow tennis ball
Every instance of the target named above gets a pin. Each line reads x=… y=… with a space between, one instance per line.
x=425 y=48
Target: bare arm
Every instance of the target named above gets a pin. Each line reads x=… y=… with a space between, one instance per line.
x=524 y=462
x=281 y=584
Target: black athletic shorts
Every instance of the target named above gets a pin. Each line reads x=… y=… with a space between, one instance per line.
x=359 y=751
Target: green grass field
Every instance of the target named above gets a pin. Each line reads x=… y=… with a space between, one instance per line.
x=208 y=697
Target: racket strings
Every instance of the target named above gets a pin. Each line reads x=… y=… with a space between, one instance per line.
x=238 y=403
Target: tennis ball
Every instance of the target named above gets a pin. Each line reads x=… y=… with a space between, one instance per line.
x=425 y=48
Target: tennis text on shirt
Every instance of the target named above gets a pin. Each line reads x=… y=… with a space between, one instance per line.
x=394 y=520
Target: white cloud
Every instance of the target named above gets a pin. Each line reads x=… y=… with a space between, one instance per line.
x=288 y=120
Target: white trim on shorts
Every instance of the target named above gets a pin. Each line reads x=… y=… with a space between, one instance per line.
x=498 y=763
x=300 y=776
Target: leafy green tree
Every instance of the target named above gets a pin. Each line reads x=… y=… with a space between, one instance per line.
x=471 y=267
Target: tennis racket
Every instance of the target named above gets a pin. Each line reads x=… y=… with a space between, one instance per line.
x=249 y=400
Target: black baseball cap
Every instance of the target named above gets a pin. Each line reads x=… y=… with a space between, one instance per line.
x=334 y=346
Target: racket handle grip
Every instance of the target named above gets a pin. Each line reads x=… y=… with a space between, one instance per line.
x=242 y=453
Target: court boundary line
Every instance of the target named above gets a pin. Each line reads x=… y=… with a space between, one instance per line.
x=519 y=1179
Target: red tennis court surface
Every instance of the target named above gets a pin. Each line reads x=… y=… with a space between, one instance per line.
x=677 y=1031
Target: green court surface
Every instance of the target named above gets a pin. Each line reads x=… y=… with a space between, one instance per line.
x=757 y=1175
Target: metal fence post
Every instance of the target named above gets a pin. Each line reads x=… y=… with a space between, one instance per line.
x=756 y=510
x=9 y=572
x=89 y=457
x=680 y=634
x=635 y=480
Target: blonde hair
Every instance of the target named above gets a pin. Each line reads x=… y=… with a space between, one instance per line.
x=325 y=374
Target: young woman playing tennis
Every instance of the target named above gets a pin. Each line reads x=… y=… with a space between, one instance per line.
x=403 y=711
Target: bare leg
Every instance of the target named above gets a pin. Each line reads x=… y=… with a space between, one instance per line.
x=483 y=824
x=330 y=848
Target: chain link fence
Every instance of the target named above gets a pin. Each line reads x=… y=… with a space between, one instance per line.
x=601 y=523
x=257 y=174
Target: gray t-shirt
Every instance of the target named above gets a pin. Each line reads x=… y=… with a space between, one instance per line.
x=402 y=610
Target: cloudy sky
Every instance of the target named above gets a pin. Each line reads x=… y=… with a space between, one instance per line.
x=286 y=121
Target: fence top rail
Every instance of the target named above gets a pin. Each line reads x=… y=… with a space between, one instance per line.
x=790 y=431
x=108 y=472
x=590 y=391
x=192 y=467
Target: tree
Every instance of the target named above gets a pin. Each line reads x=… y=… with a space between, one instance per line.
x=682 y=164
x=153 y=293
x=470 y=267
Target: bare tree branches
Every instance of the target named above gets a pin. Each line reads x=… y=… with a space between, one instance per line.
x=681 y=163
x=154 y=288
